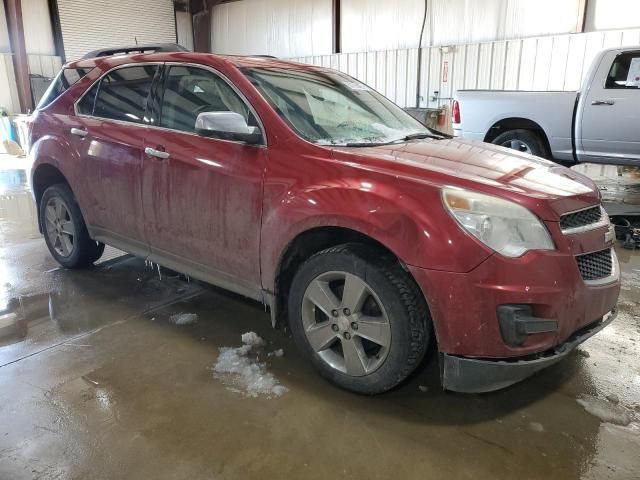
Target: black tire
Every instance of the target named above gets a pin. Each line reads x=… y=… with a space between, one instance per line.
x=529 y=138
x=405 y=306
x=85 y=251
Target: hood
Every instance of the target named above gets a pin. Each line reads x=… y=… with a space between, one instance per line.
x=481 y=166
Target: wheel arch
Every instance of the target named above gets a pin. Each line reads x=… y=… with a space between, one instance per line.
x=45 y=175
x=306 y=244
x=517 y=123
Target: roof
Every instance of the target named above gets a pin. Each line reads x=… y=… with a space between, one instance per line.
x=238 y=61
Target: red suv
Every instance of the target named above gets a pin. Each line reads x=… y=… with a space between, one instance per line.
x=303 y=188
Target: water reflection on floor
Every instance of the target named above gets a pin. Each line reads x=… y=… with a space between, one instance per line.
x=97 y=383
x=620 y=186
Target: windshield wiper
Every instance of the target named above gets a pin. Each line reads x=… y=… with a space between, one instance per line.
x=364 y=144
x=412 y=136
x=417 y=136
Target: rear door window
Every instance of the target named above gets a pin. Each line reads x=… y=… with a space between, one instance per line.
x=65 y=79
x=123 y=94
x=625 y=72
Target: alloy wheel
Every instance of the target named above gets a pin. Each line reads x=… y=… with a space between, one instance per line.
x=518 y=145
x=60 y=227
x=345 y=323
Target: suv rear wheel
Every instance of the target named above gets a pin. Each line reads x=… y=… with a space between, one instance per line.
x=359 y=317
x=64 y=229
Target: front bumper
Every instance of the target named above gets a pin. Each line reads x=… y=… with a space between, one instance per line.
x=471 y=375
x=464 y=306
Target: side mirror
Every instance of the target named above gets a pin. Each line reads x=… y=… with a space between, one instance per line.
x=227 y=126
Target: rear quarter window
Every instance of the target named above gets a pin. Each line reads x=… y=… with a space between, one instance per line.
x=65 y=79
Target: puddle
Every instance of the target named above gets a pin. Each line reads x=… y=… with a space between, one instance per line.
x=605 y=410
x=21 y=314
x=620 y=185
x=18 y=217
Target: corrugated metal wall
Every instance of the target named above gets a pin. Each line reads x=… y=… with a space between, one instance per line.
x=371 y=25
x=38 y=32
x=91 y=24
x=39 y=45
x=38 y=38
x=5 y=46
x=8 y=90
x=608 y=14
x=45 y=65
x=376 y=25
x=8 y=93
x=288 y=28
x=556 y=62
x=285 y=28
x=184 y=29
x=544 y=63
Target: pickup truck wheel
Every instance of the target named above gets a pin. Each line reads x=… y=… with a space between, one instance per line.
x=65 y=232
x=525 y=141
x=359 y=317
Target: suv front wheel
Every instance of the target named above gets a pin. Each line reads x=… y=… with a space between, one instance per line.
x=359 y=317
x=64 y=229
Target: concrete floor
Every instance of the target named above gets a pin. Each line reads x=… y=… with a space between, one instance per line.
x=96 y=383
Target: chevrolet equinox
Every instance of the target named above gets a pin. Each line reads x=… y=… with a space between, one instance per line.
x=304 y=189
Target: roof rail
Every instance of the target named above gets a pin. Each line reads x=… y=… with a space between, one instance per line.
x=159 y=47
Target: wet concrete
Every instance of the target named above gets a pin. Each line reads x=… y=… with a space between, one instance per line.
x=97 y=383
x=620 y=186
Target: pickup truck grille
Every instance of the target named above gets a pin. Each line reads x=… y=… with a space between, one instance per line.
x=595 y=266
x=581 y=218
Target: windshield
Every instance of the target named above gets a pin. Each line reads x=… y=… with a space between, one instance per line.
x=330 y=108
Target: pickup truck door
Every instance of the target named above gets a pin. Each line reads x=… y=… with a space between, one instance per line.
x=609 y=125
x=202 y=197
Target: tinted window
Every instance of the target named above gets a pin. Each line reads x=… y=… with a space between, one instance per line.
x=190 y=91
x=331 y=108
x=123 y=93
x=61 y=83
x=625 y=71
x=85 y=106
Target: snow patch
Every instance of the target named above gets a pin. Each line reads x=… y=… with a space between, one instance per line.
x=252 y=338
x=536 y=427
x=630 y=281
x=613 y=398
x=604 y=410
x=235 y=368
x=184 y=318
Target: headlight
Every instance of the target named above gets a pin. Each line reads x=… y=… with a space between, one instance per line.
x=503 y=226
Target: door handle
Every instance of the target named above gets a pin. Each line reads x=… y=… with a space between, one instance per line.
x=79 y=132
x=603 y=102
x=152 y=152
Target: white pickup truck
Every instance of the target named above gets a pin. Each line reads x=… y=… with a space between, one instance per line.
x=598 y=124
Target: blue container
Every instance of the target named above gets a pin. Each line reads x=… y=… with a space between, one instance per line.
x=7 y=132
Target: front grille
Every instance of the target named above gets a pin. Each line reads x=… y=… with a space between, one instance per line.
x=581 y=218
x=597 y=265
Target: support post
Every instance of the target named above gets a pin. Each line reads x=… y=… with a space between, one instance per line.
x=337 y=46
x=582 y=16
x=19 y=53
x=54 y=15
